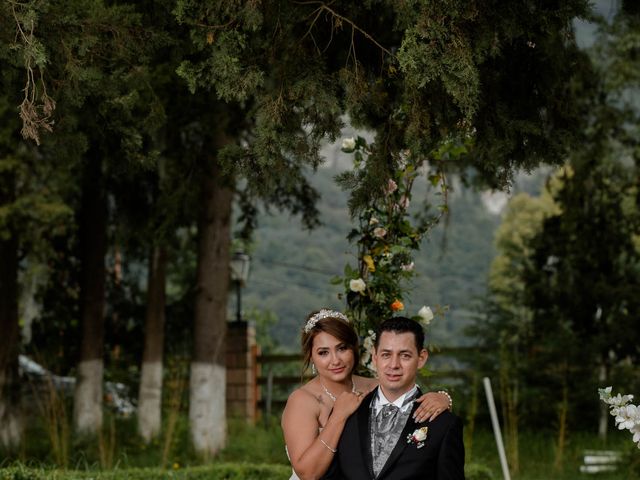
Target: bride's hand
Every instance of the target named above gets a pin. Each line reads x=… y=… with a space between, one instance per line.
x=430 y=406
x=346 y=404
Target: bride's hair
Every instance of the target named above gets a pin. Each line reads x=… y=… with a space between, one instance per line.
x=334 y=325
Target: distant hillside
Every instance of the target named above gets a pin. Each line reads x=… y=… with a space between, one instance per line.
x=291 y=268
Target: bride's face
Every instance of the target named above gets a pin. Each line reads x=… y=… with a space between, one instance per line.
x=332 y=357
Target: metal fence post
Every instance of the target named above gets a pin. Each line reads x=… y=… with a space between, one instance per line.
x=496 y=428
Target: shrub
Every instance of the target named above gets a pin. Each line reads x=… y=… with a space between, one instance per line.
x=219 y=471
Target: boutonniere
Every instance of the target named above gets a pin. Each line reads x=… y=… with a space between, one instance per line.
x=418 y=437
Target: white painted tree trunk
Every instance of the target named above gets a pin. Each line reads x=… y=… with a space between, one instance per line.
x=604 y=410
x=87 y=412
x=207 y=409
x=11 y=420
x=150 y=400
x=11 y=425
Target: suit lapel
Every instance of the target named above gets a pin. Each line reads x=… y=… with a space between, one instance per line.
x=363 y=430
x=409 y=427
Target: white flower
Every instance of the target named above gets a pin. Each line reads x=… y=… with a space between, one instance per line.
x=619 y=400
x=418 y=437
x=403 y=159
x=421 y=434
x=374 y=221
x=379 y=232
x=404 y=202
x=407 y=267
x=357 y=285
x=349 y=143
x=367 y=354
x=627 y=415
x=425 y=314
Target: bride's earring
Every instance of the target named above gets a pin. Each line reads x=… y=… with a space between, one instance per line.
x=313 y=369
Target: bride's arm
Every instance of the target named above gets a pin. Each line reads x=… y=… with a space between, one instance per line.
x=430 y=404
x=311 y=453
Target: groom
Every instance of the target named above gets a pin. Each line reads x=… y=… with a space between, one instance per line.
x=381 y=440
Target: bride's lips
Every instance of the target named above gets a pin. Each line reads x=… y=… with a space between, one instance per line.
x=336 y=370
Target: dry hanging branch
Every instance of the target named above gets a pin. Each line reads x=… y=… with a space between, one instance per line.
x=35 y=116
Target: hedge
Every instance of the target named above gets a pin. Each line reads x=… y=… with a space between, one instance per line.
x=218 y=471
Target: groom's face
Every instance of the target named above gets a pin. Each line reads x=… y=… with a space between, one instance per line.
x=397 y=361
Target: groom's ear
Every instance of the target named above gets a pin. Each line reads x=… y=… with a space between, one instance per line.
x=423 y=356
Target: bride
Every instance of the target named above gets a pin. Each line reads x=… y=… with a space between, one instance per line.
x=315 y=413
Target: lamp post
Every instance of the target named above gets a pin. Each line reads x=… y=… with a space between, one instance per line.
x=239 y=274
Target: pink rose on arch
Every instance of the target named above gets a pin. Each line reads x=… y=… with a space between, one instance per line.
x=391 y=187
x=379 y=232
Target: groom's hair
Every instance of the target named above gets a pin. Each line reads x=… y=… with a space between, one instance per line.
x=401 y=325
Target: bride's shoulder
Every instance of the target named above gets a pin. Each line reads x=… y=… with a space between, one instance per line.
x=302 y=401
x=365 y=384
x=303 y=394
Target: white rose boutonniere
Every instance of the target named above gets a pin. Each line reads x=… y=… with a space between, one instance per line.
x=418 y=437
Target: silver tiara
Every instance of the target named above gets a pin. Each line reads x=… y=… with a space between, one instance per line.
x=323 y=313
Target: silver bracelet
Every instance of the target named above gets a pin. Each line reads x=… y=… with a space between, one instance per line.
x=449 y=397
x=325 y=444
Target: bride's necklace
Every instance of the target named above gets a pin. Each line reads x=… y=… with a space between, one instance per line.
x=331 y=395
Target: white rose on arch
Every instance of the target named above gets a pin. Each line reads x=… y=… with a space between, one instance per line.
x=349 y=144
x=425 y=314
x=357 y=285
x=367 y=351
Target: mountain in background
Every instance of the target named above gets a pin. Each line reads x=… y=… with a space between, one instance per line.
x=291 y=268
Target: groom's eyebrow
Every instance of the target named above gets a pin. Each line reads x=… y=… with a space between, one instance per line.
x=389 y=350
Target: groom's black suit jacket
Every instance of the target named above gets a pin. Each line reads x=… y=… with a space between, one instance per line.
x=441 y=457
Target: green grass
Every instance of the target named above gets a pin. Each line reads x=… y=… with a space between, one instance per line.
x=537 y=456
x=254 y=449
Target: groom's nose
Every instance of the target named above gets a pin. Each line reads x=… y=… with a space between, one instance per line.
x=394 y=362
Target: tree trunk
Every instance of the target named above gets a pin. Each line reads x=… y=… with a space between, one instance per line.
x=603 y=420
x=150 y=394
x=10 y=410
x=87 y=413
x=207 y=410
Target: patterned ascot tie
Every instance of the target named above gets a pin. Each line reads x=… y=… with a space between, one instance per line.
x=386 y=418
